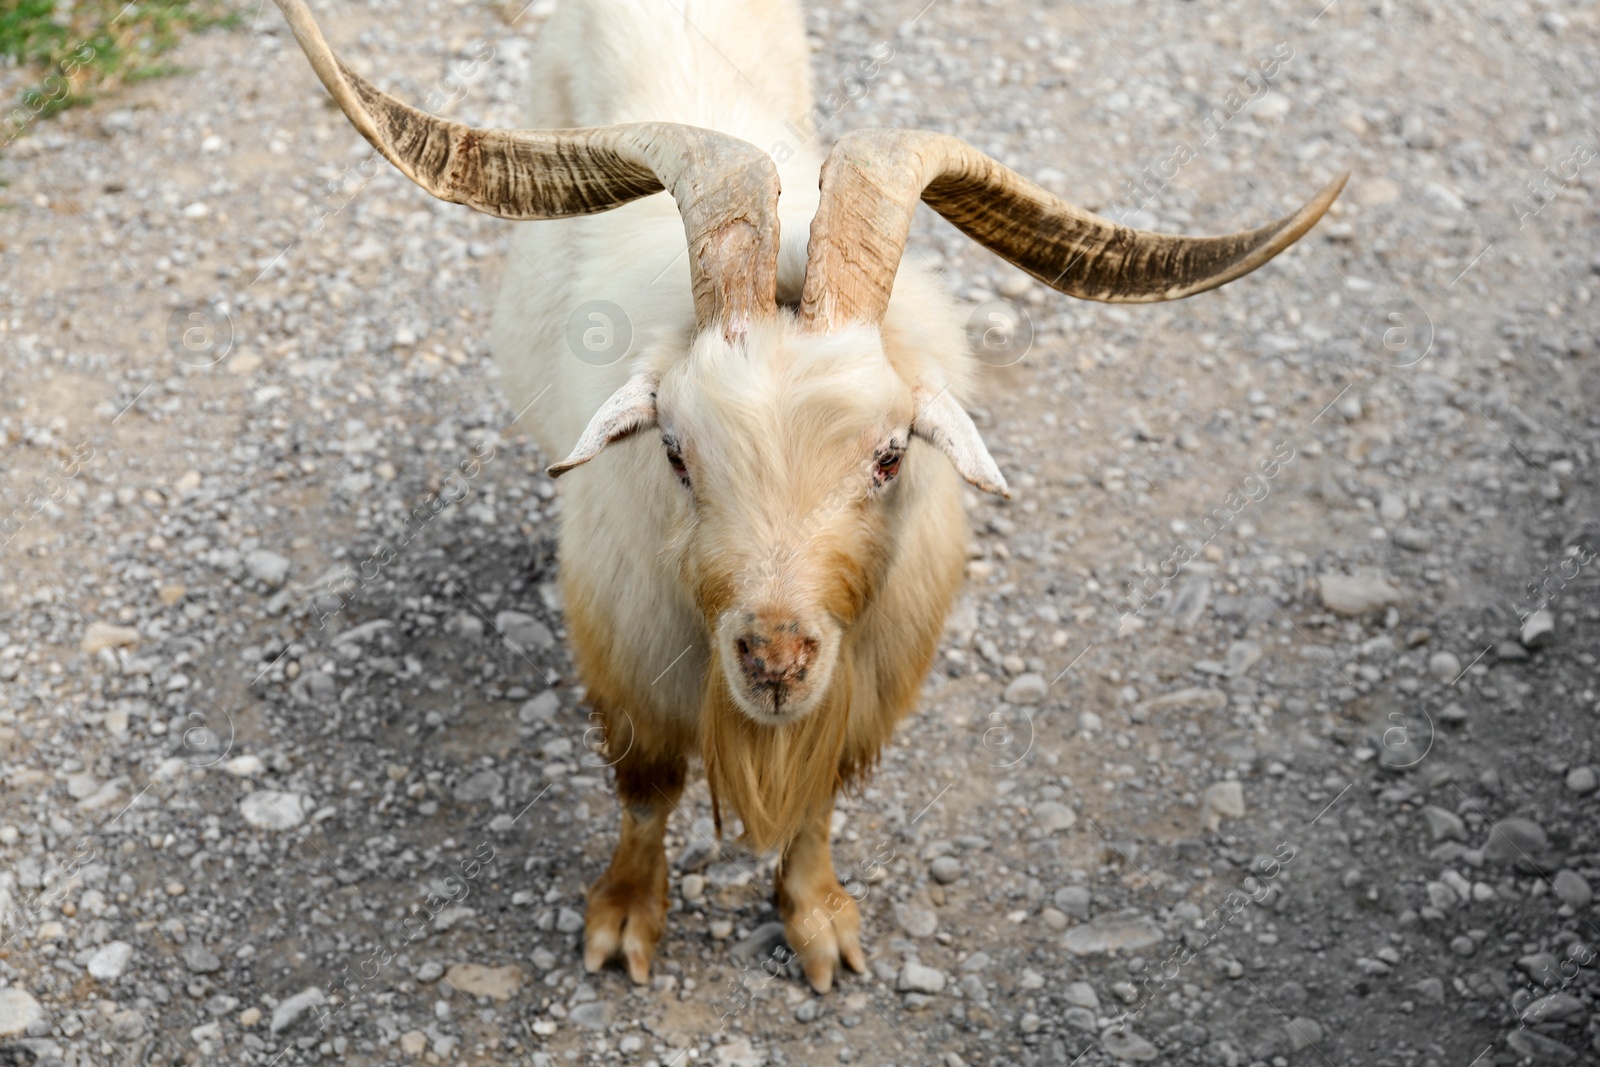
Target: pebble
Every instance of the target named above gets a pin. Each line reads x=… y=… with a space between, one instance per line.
x=1027 y=688
x=915 y=920
x=914 y=977
x=593 y=1015
x=249 y=1017
x=1538 y=629
x=18 y=1011
x=1116 y=931
x=1054 y=816
x=1223 y=800
x=1562 y=1008
x=1539 y=1048
x=1572 y=888
x=1444 y=825
x=289 y=1012
x=110 y=960
x=1126 y=1045
x=1516 y=842
x=268 y=809
x=1444 y=666
x=1303 y=1033
x=1190 y=699
x=1353 y=597
x=945 y=869
x=102 y=635
x=1392 y=507
x=199 y=959
x=473 y=979
x=1081 y=995
x=267 y=567
x=1582 y=780
x=524 y=632
x=485 y=784
x=1074 y=900
x=740 y=1053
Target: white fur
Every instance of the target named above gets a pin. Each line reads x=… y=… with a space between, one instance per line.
x=740 y=67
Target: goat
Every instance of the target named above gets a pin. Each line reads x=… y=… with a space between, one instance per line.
x=757 y=566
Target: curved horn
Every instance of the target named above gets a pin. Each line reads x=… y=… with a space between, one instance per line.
x=726 y=189
x=873 y=178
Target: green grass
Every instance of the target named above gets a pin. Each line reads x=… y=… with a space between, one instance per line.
x=90 y=47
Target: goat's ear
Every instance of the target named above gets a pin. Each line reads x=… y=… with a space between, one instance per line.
x=628 y=410
x=942 y=422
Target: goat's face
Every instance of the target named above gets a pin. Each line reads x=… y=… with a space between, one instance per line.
x=790 y=456
x=789 y=453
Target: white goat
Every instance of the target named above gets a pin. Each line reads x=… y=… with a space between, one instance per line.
x=758 y=565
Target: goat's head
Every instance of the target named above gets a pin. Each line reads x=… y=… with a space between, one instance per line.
x=790 y=433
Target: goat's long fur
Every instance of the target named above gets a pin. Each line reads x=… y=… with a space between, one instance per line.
x=630 y=611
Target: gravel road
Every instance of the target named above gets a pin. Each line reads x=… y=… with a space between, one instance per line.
x=1266 y=732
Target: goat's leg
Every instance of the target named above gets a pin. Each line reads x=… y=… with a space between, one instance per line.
x=628 y=904
x=820 y=920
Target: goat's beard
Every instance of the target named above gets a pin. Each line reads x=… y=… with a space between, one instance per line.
x=775 y=777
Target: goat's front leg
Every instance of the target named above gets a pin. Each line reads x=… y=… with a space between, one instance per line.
x=628 y=905
x=820 y=920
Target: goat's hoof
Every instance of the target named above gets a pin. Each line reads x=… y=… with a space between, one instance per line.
x=625 y=918
x=824 y=929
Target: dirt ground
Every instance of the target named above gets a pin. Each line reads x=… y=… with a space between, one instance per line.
x=1324 y=794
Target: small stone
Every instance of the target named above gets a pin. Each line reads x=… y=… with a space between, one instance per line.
x=249 y=1017
x=431 y=971
x=18 y=1011
x=268 y=809
x=760 y=943
x=108 y=963
x=1462 y=945
x=1392 y=507
x=568 y=921
x=486 y=784
x=1413 y=539
x=268 y=568
x=1582 y=780
x=1573 y=890
x=1223 y=800
x=291 y=1010
x=1444 y=825
x=915 y=920
x=1054 y=816
x=1431 y=990
x=245 y=766
x=594 y=1015
x=476 y=980
x=740 y=1053
x=524 y=632
x=200 y=959
x=1082 y=995
x=1074 y=900
x=1538 y=629
x=1539 y=1048
x=1356 y=596
x=917 y=978
x=1561 y=1008
x=720 y=929
x=539 y=709
x=1081 y=1018
x=1030 y=1023
x=413 y=1043
x=1026 y=689
x=693 y=886
x=1303 y=1033
x=1126 y=1045
x=1194 y=698
x=1515 y=842
x=101 y=635
x=945 y=869
x=1121 y=930
x=1444 y=666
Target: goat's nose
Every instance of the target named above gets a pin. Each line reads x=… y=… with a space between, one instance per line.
x=775 y=656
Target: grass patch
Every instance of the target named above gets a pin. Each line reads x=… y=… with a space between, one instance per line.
x=84 y=48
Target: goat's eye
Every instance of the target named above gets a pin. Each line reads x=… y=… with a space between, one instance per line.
x=887 y=466
x=675 y=461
